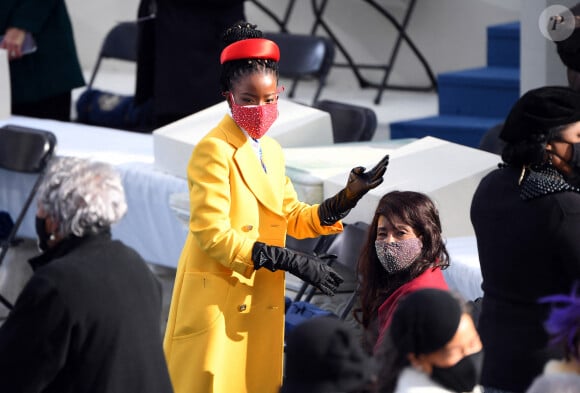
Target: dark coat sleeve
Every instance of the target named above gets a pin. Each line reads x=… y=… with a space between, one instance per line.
x=31 y=15
x=54 y=68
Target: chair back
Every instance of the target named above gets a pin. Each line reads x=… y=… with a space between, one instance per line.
x=25 y=149
x=350 y=123
x=304 y=57
x=120 y=43
x=310 y=246
x=347 y=246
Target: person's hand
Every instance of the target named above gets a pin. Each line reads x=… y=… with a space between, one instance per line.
x=12 y=42
x=309 y=268
x=358 y=184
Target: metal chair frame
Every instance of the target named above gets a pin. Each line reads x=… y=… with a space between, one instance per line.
x=24 y=150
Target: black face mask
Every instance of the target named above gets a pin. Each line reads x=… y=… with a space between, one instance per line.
x=43 y=236
x=574 y=178
x=461 y=377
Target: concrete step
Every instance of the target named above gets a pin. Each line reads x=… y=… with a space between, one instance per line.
x=481 y=92
x=464 y=130
x=503 y=45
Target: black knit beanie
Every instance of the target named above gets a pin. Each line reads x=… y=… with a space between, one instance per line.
x=324 y=355
x=540 y=110
x=569 y=49
x=425 y=321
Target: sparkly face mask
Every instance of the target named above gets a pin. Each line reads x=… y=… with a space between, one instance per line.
x=398 y=256
x=255 y=119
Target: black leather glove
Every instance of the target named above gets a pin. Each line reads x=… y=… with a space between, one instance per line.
x=306 y=267
x=359 y=183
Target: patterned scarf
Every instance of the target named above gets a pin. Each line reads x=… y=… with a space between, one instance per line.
x=544 y=180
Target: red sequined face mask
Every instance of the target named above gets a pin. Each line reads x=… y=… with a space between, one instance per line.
x=255 y=119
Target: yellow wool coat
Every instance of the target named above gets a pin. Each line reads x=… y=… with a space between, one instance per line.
x=225 y=331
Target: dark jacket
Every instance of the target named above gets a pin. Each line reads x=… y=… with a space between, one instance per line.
x=54 y=68
x=527 y=249
x=87 y=321
x=185 y=50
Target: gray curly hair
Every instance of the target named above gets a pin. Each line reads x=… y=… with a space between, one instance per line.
x=83 y=196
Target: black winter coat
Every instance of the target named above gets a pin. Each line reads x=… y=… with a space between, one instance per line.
x=87 y=321
x=527 y=250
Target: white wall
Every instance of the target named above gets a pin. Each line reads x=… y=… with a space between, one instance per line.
x=451 y=34
x=541 y=64
x=92 y=20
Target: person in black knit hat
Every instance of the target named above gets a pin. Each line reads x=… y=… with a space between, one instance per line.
x=526 y=217
x=324 y=355
x=569 y=53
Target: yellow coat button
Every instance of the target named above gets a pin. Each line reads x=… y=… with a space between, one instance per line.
x=242 y=307
x=247 y=228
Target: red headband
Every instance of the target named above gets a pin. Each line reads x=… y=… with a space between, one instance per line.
x=251 y=48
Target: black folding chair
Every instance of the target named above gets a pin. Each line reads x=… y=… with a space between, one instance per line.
x=24 y=150
x=304 y=57
x=311 y=246
x=120 y=43
x=108 y=108
x=347 y=247
x=350 y=123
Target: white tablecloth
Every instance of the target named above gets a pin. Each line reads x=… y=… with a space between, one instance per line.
x=463 y=273
x=149 y=226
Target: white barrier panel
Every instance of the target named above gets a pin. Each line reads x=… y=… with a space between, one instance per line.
x=5 y=98
x=297 y=125
x=308 y=167
x=449 y=173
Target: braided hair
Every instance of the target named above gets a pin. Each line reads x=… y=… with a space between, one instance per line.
x=233 y=70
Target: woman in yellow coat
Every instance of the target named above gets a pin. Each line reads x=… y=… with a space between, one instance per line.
x=225 y=331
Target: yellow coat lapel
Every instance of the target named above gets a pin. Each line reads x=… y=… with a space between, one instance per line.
x=249 y=166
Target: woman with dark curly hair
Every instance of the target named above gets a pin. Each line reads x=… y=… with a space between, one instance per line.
x=526 y=217
x=404 y=252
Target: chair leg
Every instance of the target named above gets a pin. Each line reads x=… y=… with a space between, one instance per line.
x=348 y=306
x=301 y=291
x=6 y=303
x=318 y=91
x=310 y=294
x=293 y=88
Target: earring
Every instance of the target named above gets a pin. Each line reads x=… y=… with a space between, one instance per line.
x=51 y=237
x=522 y=175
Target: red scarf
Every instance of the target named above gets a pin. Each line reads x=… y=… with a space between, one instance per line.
x=430 y=278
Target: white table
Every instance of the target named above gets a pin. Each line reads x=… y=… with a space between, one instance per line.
x=149 y=226
x=152 y=226
x=447 y=172
x=310 y=167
